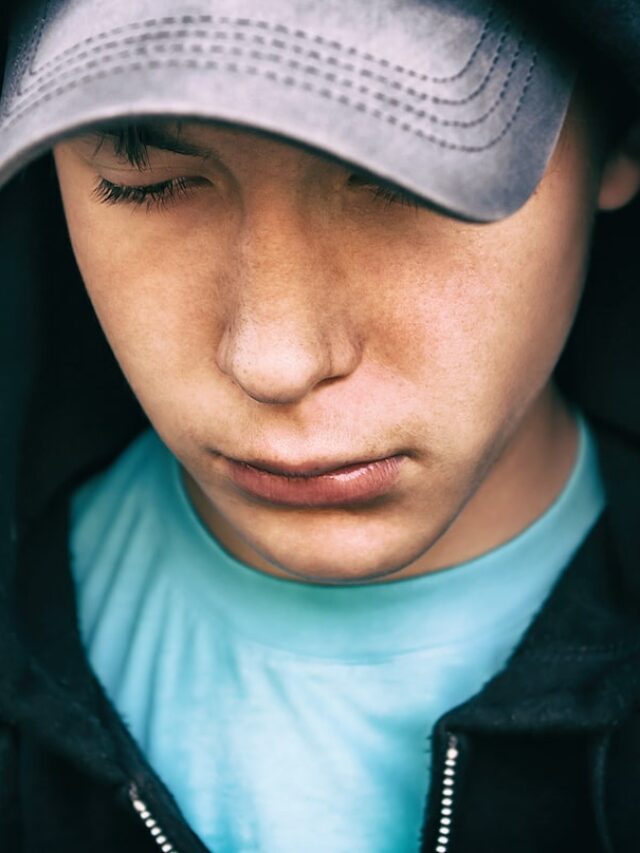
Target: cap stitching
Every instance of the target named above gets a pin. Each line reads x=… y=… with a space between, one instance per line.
x=298 y=33
x=41 y=84
x=329 y=76
x=306 y=85
x=71 y=53
x=363 y=71
x=295 y=64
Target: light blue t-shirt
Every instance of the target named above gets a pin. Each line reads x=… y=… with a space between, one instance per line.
x=287 y=716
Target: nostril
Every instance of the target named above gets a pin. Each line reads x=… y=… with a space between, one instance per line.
x=282 y=364
x=279 y=373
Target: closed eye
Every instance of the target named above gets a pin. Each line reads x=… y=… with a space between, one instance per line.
x=157 y=195
x=382 y=192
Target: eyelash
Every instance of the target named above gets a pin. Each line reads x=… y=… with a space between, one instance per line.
x=152 y=195
x=160 y=195
x=393 y=196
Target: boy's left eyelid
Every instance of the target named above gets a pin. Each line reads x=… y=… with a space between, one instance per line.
x=141 y=185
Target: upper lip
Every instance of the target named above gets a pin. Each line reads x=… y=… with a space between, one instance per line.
x=307 y=469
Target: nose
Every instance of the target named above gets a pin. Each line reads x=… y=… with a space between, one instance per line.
x=285 y=330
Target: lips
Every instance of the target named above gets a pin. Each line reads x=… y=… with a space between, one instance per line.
x=314 y=485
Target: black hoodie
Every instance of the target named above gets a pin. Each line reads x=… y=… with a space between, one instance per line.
x=549 y=751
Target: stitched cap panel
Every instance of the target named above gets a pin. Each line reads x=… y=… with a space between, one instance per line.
x=450 y=100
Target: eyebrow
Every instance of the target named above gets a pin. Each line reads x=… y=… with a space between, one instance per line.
x=132 y=140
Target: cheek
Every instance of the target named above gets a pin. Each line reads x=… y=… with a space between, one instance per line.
x=153 y=287
x=478 y=320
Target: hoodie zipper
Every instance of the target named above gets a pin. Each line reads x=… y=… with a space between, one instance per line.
x=155 y=831
x=444 y=819
x=446 y=802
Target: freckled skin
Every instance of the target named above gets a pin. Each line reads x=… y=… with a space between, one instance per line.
x=278 y=312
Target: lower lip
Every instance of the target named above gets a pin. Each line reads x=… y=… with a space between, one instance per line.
x=349 y=485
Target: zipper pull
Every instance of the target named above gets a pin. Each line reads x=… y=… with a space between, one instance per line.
x=446 y=803
x=150 y=822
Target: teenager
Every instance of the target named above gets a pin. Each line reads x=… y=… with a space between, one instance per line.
x=310 y=544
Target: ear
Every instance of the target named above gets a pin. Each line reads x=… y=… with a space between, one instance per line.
x=620 y=180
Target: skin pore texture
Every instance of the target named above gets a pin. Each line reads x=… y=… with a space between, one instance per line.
x=276 y=308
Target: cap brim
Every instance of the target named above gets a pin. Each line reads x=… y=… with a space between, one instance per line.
x=450 y=100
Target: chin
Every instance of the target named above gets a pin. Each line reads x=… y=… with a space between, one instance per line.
x=334 y=546
x=345 y=563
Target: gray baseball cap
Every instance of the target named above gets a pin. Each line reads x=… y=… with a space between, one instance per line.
x=455 y=101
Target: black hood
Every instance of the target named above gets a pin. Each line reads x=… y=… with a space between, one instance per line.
x=67 y=409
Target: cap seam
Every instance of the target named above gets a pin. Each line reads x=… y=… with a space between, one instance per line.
x=331 y=77
x=72 y=65
x=325 y=92
x=280 y=29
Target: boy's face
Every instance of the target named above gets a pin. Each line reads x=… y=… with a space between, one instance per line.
x=276 y=309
